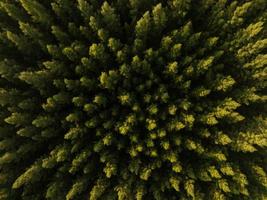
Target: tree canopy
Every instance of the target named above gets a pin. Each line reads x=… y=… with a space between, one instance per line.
x=133 y=100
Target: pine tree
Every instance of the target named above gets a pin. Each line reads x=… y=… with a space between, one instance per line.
x=133 y=99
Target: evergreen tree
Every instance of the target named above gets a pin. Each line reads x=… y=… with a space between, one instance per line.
x=133 y=99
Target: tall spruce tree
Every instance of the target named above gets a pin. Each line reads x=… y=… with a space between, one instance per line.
x=133 y=99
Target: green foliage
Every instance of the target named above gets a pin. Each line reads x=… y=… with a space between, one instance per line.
x=133 y=99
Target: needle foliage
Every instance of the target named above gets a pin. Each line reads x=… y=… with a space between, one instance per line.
x=133 y=100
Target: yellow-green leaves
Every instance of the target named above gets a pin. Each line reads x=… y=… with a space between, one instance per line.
x=253 y=29
x=114 y=44
x=238 y=14
x=252 y=48
x=260 y=174
x=31 y=175
x=125 y=98
x=176 y=51
x=224 y=186
x=85 y=8
x=37 y=79
x=176 y=125
x=143 y=25
x=37 y=11
x=175 y=183
x=98 y=189
x=166 y=42
x=224 y=83
x=201 y=92
x=122 y=192
x=227 y=170
x=159 y=17
x=8 y=157
x=30 y=31
x=153 y=109
x=145 y=173
x=57 y=155
x=209 y=119
x=172 y=68
x=110 y=169
x=109 y=16
x=217 y=155
x=190 y=188
x=248 y=141
x=140 y=192
x=97 y=51
x=18 y=119
x=211 y=42
x=222 y=139
x=227 y=108
x=242 y=182
x=205 y=64
x=172 y=109
x=42 y=121
x=214 y=173
x=77 y=188
x=177 y=167
x=109 y=80
x=180 y=7
x=137 y=99
x=151 y=124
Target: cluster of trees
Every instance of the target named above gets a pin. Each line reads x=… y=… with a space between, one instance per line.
x=133 y=99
